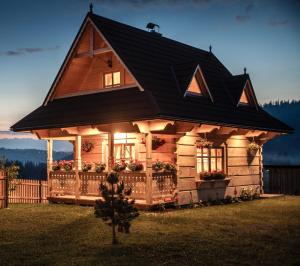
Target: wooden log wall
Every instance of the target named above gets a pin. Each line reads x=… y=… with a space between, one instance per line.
x=243 y=171
x=97 y=154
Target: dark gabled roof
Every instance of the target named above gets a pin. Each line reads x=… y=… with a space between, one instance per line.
x=98 y=108
x=163 y=67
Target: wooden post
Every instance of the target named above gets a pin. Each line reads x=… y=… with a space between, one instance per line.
x=3 y=190
x=77 y=166
x=110 y=151
x=49 y=164
x=149 y=168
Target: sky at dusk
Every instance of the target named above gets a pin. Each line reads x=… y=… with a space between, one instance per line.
x=263 y=36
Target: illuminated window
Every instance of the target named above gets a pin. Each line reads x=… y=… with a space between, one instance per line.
x=194 y=86
x=244 y=99
x=124 y=152
x=112 y=79
x=210 y=159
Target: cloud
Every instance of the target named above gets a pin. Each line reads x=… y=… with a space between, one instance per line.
x=29 y=50
x=15 y=135
x=278 y=23
x=241 y=18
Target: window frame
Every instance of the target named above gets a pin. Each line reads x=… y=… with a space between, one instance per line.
x=209 y=156
x=123 y=151
x=112 y=79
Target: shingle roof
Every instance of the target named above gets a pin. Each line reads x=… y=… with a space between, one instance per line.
x=163 y=67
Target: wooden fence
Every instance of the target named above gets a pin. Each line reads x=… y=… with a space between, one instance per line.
x=282 y=179
x=28 y=191
x=22 y=191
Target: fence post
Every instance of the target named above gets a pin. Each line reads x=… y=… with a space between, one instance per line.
x=3 y=189
x=40 y=191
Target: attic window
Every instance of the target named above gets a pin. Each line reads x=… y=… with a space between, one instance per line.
x=194 y=86
x=112 y=79
x=198 y=86
x=244 y=98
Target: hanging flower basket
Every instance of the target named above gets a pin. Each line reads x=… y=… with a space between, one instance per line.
x=204 y=143
x=253 y=147
x=56 y=166
x=156 y=142
x=67 y=165
x=87 y=146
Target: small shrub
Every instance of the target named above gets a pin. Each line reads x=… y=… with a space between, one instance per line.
x=116 y=209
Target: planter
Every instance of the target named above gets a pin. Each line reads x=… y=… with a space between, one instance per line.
x=215 y=183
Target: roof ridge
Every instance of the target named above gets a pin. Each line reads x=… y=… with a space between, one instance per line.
x=152 y=35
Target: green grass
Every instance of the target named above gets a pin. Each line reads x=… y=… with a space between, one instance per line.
x=261 y=232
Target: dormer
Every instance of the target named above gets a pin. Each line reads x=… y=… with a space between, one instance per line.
x=247 y=97
x=197 y=85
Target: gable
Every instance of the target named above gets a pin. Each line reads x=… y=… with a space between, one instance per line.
x=248 y=97
x=197 y=85
x=90 y=65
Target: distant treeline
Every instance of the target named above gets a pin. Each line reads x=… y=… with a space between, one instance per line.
x=30 y=170
x=280 y=103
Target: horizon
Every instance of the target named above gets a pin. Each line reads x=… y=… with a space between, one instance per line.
x=270 y=42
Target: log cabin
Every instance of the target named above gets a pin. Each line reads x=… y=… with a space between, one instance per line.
x=171 y=118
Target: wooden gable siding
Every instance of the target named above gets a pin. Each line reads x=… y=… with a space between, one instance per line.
x=84 y=73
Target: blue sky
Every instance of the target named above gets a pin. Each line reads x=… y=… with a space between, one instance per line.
x=263 y=36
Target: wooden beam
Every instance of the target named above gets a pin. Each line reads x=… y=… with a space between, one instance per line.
x=226 y=130
x=93 y=52
x=152 y=125
x=205 y=128
x=77 y=166
x=110 y=138
x=149 y=168
x=255 y=133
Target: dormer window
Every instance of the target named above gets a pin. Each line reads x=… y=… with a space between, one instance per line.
x=244 y=98
x=197 y=85
x=112 y=79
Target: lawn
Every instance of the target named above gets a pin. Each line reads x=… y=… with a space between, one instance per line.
x=261 y=232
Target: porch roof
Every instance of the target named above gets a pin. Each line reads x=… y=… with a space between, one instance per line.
x=132 y=104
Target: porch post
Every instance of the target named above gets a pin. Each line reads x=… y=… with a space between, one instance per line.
x=77 y=165
x=49 y=156
x=110 y=151
x=49 y=163
x=149 y=168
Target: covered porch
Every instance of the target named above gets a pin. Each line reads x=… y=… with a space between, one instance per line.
x=109 y=145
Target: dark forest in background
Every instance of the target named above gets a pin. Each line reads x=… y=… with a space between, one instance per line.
x=284 y=149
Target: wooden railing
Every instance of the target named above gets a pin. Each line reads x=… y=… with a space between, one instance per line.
x=163 y=185
x=63 y=183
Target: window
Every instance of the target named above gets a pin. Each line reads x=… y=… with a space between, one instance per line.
x=124 y=152
x=244 y=98
x=210 y=159
x=112 y=79
x=194 y=86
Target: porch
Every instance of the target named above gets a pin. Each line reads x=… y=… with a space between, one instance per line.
x=62 y=187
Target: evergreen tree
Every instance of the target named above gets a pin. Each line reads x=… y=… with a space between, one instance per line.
x=116 y=209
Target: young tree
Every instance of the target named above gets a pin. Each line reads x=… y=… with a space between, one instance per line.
x=116 y=209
